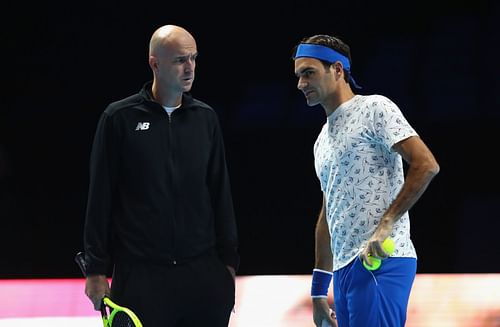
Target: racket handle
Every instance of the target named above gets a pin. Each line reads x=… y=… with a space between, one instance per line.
x=80 y=261
x=104 y=313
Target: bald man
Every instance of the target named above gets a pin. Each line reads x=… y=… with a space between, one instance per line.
x=160 y=211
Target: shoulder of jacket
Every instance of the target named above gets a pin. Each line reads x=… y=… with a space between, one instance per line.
x=128 y=102
x=192 y=102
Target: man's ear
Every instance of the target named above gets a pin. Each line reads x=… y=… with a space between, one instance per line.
x=153 y=63
x=338 y=67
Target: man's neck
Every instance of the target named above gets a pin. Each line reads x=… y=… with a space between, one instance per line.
x=344 y=94
x=165 y=98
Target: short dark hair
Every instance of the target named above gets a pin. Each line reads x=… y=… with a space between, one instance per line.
x=331 y=42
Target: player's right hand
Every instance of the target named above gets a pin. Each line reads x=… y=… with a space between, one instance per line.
x=97 y=287
x=322 y=313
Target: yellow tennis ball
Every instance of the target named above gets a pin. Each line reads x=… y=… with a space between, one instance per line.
x=388 y=246
x=376 y=262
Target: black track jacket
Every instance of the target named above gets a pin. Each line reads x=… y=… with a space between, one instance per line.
x=159 y=189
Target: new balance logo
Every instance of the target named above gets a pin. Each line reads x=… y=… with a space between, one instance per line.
x=142 y=126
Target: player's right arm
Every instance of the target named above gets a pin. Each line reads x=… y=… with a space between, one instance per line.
x=97 y=228
x=323 y=261
x=102 y=186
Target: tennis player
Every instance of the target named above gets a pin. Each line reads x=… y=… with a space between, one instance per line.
x=366 y=196
x=160 y=211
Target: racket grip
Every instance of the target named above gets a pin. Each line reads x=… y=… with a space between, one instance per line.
x=104 y=313
x=80 y=261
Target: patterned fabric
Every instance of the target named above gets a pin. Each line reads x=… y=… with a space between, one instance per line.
x=360 y=175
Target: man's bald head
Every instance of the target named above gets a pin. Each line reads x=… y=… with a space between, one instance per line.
x=166 y=36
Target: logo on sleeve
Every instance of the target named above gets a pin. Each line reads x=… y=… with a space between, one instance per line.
x=142 y=126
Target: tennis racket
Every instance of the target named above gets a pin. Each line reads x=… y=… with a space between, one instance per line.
x=113 y=315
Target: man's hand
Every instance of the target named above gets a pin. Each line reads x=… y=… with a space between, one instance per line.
x=96 y=287
x=322 y=312
x=374 y=245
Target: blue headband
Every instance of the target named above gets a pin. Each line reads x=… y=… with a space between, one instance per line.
x=326 y=54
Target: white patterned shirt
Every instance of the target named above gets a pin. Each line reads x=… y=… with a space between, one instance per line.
x=360 y=175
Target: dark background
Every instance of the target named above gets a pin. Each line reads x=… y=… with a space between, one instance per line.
x=63 y=63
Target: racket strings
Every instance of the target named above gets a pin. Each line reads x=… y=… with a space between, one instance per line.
x=122 y=319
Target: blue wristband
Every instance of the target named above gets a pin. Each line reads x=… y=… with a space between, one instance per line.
x=320 y=283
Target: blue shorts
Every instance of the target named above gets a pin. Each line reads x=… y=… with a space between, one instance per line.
x=376 y=298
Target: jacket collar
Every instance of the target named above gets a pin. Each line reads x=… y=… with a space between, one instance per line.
x=147 y=95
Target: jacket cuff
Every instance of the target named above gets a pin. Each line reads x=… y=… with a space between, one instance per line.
x=230 y=258
x=95 y=266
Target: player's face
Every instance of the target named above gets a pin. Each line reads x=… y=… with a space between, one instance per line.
x=176 y=65
x=315 y=81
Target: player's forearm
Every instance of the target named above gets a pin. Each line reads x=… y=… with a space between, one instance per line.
x=323 y=252
x=324 y=257
x=418 y=178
